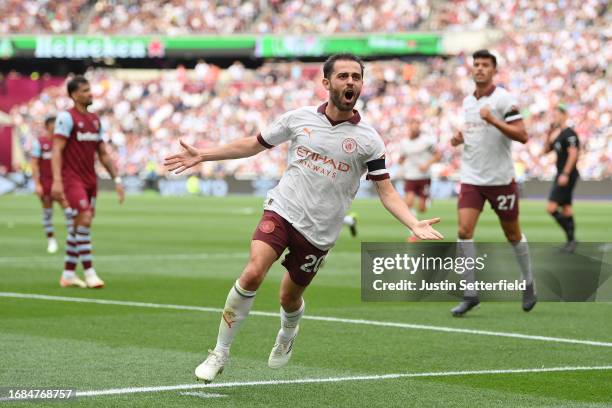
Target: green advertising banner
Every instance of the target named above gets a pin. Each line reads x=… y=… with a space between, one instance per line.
x=362 y=45
x=88 y=46
x=264 y=46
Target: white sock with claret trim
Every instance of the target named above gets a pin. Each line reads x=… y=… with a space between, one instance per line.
x=237 y=307
x=289 y=323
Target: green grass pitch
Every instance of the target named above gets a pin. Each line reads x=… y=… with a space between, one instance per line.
x=188 y=251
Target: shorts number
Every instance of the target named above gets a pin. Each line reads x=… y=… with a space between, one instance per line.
x=313 y=265
x=506 y=202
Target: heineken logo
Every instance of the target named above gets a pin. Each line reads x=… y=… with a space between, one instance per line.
x=97 y=47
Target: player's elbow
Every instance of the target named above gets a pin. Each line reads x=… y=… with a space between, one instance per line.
x=523 y=136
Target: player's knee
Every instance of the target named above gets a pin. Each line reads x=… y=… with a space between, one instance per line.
x=465 y=232
x=551 y=208
x=567 y=211
x=84 y=219
x=252 y=276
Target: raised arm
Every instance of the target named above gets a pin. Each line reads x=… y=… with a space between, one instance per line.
x=245 y=147
x=392 y=201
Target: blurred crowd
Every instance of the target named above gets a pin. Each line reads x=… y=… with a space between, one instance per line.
x=536 y=15
x=257 y=16
x=144 y=113
x=41 y=16
x=172 y=17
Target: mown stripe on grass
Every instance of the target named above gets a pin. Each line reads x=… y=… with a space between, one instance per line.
x=310 y=317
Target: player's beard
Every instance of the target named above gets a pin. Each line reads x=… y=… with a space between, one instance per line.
x=337 y=97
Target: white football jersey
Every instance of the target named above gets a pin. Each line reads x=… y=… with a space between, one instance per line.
x=325 y=164
x=415 y=153
x=487 y=155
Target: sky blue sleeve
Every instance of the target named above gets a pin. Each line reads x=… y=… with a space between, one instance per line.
x=36 y=151
x=63 y=124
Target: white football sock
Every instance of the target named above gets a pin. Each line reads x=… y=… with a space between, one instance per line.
x=237 y=307
x=289 y=323
x=467 y=249
x=521 y=251
x=68 y=275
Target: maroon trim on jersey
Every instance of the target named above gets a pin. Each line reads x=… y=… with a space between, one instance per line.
x=488 y=92
x=379 y=177
x=261 y=141
x=354 y=119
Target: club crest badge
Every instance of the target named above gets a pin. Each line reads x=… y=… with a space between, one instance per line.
x=266 y=226
x=349 y=145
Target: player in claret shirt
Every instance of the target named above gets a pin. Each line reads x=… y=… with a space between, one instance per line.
x=77 y=139
x=43 y=178
x=330 y=149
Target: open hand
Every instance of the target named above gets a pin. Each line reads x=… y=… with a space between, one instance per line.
x=182 y=161
x=57 y=192
x=424 y=230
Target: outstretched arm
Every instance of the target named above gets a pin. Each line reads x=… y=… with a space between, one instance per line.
x=245 y=147
x=396 y=206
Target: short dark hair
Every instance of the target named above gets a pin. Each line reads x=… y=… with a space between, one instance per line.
x=328 y=66
x=485 y=54
x=49 y=119
x=75 y=83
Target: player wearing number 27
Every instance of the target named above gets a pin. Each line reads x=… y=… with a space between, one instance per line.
x=330 y=149
x=492 y=122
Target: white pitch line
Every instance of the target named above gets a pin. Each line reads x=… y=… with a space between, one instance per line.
x=135 y=390
x=145 y=257
x=203 y=394
x=310 y=317
x=127 y=257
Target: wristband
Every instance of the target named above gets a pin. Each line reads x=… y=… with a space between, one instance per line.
x=118 y=180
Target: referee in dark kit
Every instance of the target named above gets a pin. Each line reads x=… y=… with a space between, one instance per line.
x=564 y=141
